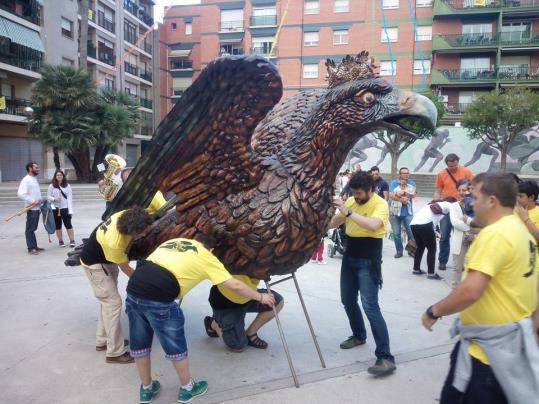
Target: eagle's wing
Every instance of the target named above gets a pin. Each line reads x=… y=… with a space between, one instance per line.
x=202 y=149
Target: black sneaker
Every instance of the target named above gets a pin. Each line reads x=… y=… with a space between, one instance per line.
x=398 y=255
x=442 y=267
x=418 y=272
x=382 y=367
x=351 y=342
x=435 y=277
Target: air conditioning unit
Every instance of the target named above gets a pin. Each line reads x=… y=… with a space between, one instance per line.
x=443 y=98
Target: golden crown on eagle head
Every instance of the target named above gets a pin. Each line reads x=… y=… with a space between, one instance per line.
x=358 y=67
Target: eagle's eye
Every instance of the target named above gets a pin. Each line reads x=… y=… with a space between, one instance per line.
x=365 y=97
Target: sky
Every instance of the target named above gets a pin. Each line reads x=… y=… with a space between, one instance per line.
x=160 y=4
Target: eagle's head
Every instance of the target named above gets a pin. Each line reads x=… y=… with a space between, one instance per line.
x=362 y=106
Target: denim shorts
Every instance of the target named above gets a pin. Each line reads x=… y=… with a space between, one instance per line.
x=166 y=320
x=232 y=321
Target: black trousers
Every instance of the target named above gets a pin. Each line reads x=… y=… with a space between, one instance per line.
x=64 y=216
x=425 y=238
x=483 y=386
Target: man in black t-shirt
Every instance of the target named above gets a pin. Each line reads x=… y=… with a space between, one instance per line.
x=380 y=185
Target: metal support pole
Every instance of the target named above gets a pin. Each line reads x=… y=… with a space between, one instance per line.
x=308 y=321
x=283 y=339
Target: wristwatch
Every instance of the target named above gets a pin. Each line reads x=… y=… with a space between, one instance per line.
x=431 y=315
x=349 y=213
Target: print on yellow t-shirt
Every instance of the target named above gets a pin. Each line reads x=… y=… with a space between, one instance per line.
x=112 y=241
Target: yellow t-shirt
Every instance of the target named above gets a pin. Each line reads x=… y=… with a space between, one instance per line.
x=234 y=297
x=534 y=215
x=506 y=252
x=375 y=207
x=156 y=203
x=112 y=241
x=190 y=262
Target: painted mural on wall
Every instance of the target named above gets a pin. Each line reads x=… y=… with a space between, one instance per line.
x=427 y=155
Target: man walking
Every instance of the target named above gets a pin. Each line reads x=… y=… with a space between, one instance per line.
x=365 y=215
x=496 y=359
x=30 y=193
x=446 y=186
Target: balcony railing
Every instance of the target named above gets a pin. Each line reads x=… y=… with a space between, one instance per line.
x=147 y=47
x=484 y=40
x=107 y=57
x=146 y=130
x=473 y=4
x=231 y=26
x=456 y=108
x=104 y=22
x=146 y=75
x=130 y=37
x=23 y=63
x=131 y=7
x=261 y=20
x=145 y=18
x=25 y=9
x=500 y=73
x=234 y=51
x=146 y=103
x=263 y=50
x=15 y=106
x=181 y=64
x=130 y=68
x=91 y=51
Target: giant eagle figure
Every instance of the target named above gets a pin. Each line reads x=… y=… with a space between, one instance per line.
x=256 y=174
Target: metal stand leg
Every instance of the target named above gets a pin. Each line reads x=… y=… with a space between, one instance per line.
x=283 y=339
x=309 y=321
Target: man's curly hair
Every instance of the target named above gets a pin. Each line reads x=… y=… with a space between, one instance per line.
x=133 y=221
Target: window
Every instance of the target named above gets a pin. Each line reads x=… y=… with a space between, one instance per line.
x=310 y=39
x=310 y=71
x=340 y=37
x=390 y=4
x=67 y=28
x=130 y=88
x=471 y=29
x=264 y=16
x=391 y=35
x=312 y=7
x=130 y=32
x=424 y=33
x=109 y=83
x=232 y=20
x=340 y=6
x=516 y=31
x=262 y=44
x=173 y=26
x=231 y=49
x=422 y=66
x=105 y=17
x=188 y=28
x=68 y=62
x=388 y=68
x=423 y=3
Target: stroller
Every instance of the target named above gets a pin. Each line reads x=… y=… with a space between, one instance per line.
x=338 y=242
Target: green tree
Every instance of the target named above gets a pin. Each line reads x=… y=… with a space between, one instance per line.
x=71 y=115
x=396 y=143
x=500 y=117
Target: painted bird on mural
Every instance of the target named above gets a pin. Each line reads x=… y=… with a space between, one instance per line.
x=256 y=175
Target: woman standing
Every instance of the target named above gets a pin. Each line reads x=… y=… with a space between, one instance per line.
x=461 y=215
x=423 y=225
x=61 y=192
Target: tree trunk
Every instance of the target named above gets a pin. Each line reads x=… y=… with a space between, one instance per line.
x=81 y=163
x=394 y=160
x=99 y=156
x=503 y=162
x=56 y=158
x=83 y=37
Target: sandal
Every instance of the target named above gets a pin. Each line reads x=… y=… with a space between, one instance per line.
x=256 y=342
x=207 y=325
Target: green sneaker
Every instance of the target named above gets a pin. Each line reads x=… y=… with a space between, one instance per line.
x=199 y=388
x=351 y=342
x=382 y=367
x=146 y=395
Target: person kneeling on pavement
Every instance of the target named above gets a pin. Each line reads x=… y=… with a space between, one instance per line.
x=229 y=310
x=169 y=273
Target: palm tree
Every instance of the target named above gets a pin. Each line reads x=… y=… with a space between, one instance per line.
x=83 y=34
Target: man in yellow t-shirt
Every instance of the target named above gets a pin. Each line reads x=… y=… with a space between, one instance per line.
x=365 y=215
x=170 y=272
x=102 y=254
x=229 y=310
x=499 y=283
x=528 y=192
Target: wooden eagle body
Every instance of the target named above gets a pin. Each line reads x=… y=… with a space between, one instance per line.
x=256 y=175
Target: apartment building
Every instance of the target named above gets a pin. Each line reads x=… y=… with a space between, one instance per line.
x=21 y=55
x=481 y=45
x=397 y=33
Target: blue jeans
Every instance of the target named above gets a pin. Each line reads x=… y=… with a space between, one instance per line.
x=166 y=320
x=358 y=275
x=445 y=236
x=396 y=225
x=32 y=220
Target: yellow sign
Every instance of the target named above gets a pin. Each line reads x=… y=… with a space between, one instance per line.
x=480 y=3
x=2 y=103
x=90 y=14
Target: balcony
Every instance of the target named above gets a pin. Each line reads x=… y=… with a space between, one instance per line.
x=146 y=103
x=471 y=7
x=482 y=41
x=146 y=130
x=130 y=37
x=107 y=57
x=32 y=64
x=25 y=9
x=455 y=108
x=263 y=50
x=181 y=64
x=131 y=7
x=15 y=106
x=146 y=75
x=231 y=26
x=475 y=76
x=104 y=22
x=263 y=20
x=231 y=52
x=130 y=68
x=145 y=18
x=147 y=47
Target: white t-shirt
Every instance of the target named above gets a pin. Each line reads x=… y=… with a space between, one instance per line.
x=29 y=190
x=426 y=215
